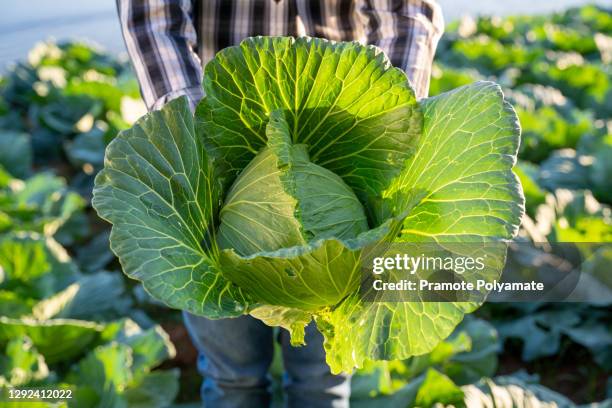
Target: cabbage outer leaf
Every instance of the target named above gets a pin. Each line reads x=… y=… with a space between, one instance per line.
x=293 y=320
x=309 y=277
x=461 y=188
x=357 y=114
x=461 y=171
x=158 y=192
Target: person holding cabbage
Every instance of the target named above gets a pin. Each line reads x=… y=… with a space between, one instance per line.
x=169 y=42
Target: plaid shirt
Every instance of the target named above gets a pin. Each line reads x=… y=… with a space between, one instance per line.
x=169 y=41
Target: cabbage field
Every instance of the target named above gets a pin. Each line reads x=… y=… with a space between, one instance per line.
x=70 y=319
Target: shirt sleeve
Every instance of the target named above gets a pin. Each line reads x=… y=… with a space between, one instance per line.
x=408 y=31
x=160 y=38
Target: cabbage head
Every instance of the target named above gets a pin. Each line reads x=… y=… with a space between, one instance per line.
x=261 y=214
x=303 y=156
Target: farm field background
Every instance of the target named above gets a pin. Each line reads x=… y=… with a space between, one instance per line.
x=68 y=316
x=23 y=24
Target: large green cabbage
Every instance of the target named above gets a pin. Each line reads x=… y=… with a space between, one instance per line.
x=304 y=155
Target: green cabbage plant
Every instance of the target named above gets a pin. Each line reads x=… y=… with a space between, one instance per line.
x=304 y=153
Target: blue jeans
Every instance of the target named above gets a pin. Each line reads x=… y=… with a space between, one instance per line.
x=235 y=355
